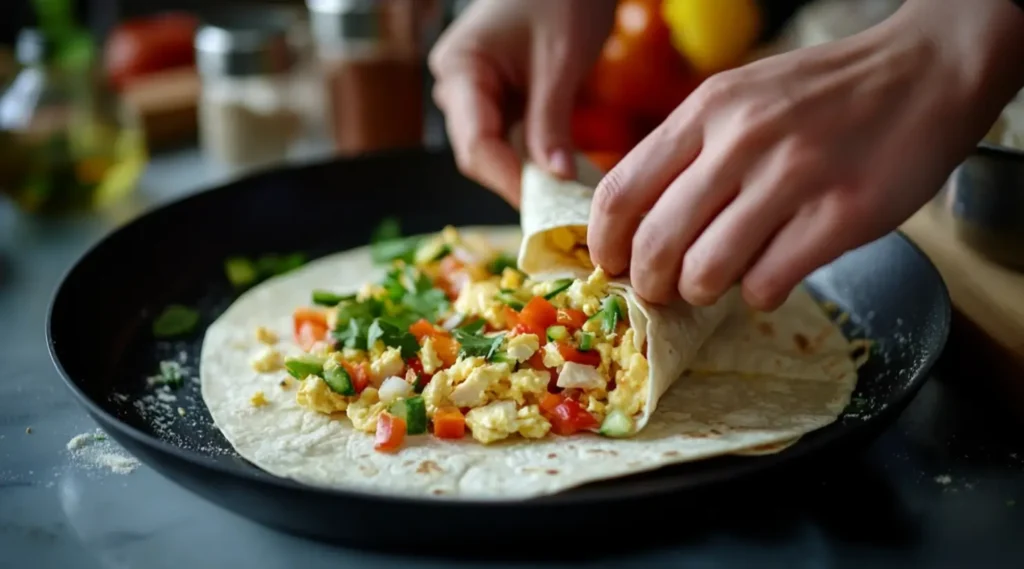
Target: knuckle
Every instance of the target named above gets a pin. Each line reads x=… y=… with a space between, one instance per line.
x=762 y=293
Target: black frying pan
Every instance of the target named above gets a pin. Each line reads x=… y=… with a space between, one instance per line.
x=98 y=333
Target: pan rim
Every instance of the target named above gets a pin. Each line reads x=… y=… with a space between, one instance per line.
x=811 y=444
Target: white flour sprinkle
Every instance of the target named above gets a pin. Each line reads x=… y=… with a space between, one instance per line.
x=94 y=451
x=943 y=479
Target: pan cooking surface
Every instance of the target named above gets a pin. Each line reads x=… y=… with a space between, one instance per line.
x=100 y=319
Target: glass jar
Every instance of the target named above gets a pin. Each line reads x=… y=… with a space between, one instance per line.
x=248 y=113
x=66 y=141
x=372 y=59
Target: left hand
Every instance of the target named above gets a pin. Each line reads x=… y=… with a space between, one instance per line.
x=771 y=170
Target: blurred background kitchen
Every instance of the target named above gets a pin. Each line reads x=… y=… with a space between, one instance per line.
x=95 y=91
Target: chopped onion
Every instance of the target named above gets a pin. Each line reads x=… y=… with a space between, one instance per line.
x=453 y=321
x=393 y=388
x=574 y=375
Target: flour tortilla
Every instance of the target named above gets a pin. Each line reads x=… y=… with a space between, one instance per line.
x=797 y=341
x=674 y=332
x=704 y=415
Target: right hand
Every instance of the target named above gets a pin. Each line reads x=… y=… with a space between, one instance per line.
x=502 y=55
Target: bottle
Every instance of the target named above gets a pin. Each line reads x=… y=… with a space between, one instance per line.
x=66 y=141
x=248 y=115
x=371 y=57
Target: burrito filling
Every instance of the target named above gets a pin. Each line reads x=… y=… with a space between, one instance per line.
x=455 y=340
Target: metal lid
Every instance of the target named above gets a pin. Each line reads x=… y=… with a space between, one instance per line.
x=244 y=45
x=347 y=21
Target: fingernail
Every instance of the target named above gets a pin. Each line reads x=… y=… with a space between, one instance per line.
x=560 y=163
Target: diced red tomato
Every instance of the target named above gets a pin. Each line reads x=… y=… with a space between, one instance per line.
x=447 y=349
x=571 y=354
x=390 y=433
x=569 y=417
x=537 y=315
x=549 y=402
x=422 y=377
x=449 y=423
x=360 y=374
x=423 y=329
x=511 y=317
x=454 y=276
x=310 y=327
x=571 y=318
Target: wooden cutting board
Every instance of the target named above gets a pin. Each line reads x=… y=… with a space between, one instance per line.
x=986 y=345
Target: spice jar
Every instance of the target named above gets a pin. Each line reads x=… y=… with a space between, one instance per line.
x=371 y=58
x=248 y=114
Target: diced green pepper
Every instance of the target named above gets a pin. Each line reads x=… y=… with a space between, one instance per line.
x=327 y=298
x=304 y=365
x=559 y=286
x=241 y=272
x=586 y=342
x=339 y=381
x=413 y=411
x=557 y=333
x=500 y=263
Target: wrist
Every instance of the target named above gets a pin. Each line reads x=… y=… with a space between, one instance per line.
x=977 y=44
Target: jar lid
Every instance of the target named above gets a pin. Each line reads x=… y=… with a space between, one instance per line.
x=239 y=45
x=347 y=21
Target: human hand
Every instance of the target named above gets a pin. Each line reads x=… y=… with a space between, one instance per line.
x=771 y=170
x=500 y=56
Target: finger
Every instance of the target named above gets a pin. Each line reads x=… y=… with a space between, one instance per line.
x=818 y=234
x=732 y=241
x=475 y=125
x=633 y=186
x=548 y=117
x=686 y=207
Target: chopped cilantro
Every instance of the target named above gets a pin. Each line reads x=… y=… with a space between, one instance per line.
x=472 y=343
x=501 y=262
x=393 y=335
x=175 y=320
x=243 y=272
x=353 y=334
x=429 y=304
x=388 y=245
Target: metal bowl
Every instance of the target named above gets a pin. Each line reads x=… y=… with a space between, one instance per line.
x=985 y=202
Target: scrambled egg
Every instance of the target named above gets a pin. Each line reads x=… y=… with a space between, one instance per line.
x=387 y=364
x=428 y=356
x=552 y=357
x=364 y=411
x=317 y=396
x=511 y=279
x=629 y=394
x=478 y=299
x=522 y=347
x=586 y=295
x=258 y=399
x=267 y=361
x=528 y=381
x=266 y=336
x=499 y=420
x=479 y=383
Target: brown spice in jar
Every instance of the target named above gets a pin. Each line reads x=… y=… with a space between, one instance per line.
x=376 y=103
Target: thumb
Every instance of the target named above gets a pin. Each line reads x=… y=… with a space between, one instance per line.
x=548 y=118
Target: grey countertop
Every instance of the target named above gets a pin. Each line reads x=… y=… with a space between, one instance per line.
x=944 y=487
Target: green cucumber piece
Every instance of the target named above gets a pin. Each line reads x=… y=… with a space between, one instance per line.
x=617 y=424
x=586 y=342
x=432 y=251
x=557 y=333
x=508 y=298
x=559 y=286
x=328 y=298
x=413 y=411
x=305 y=365
x=339 y=381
